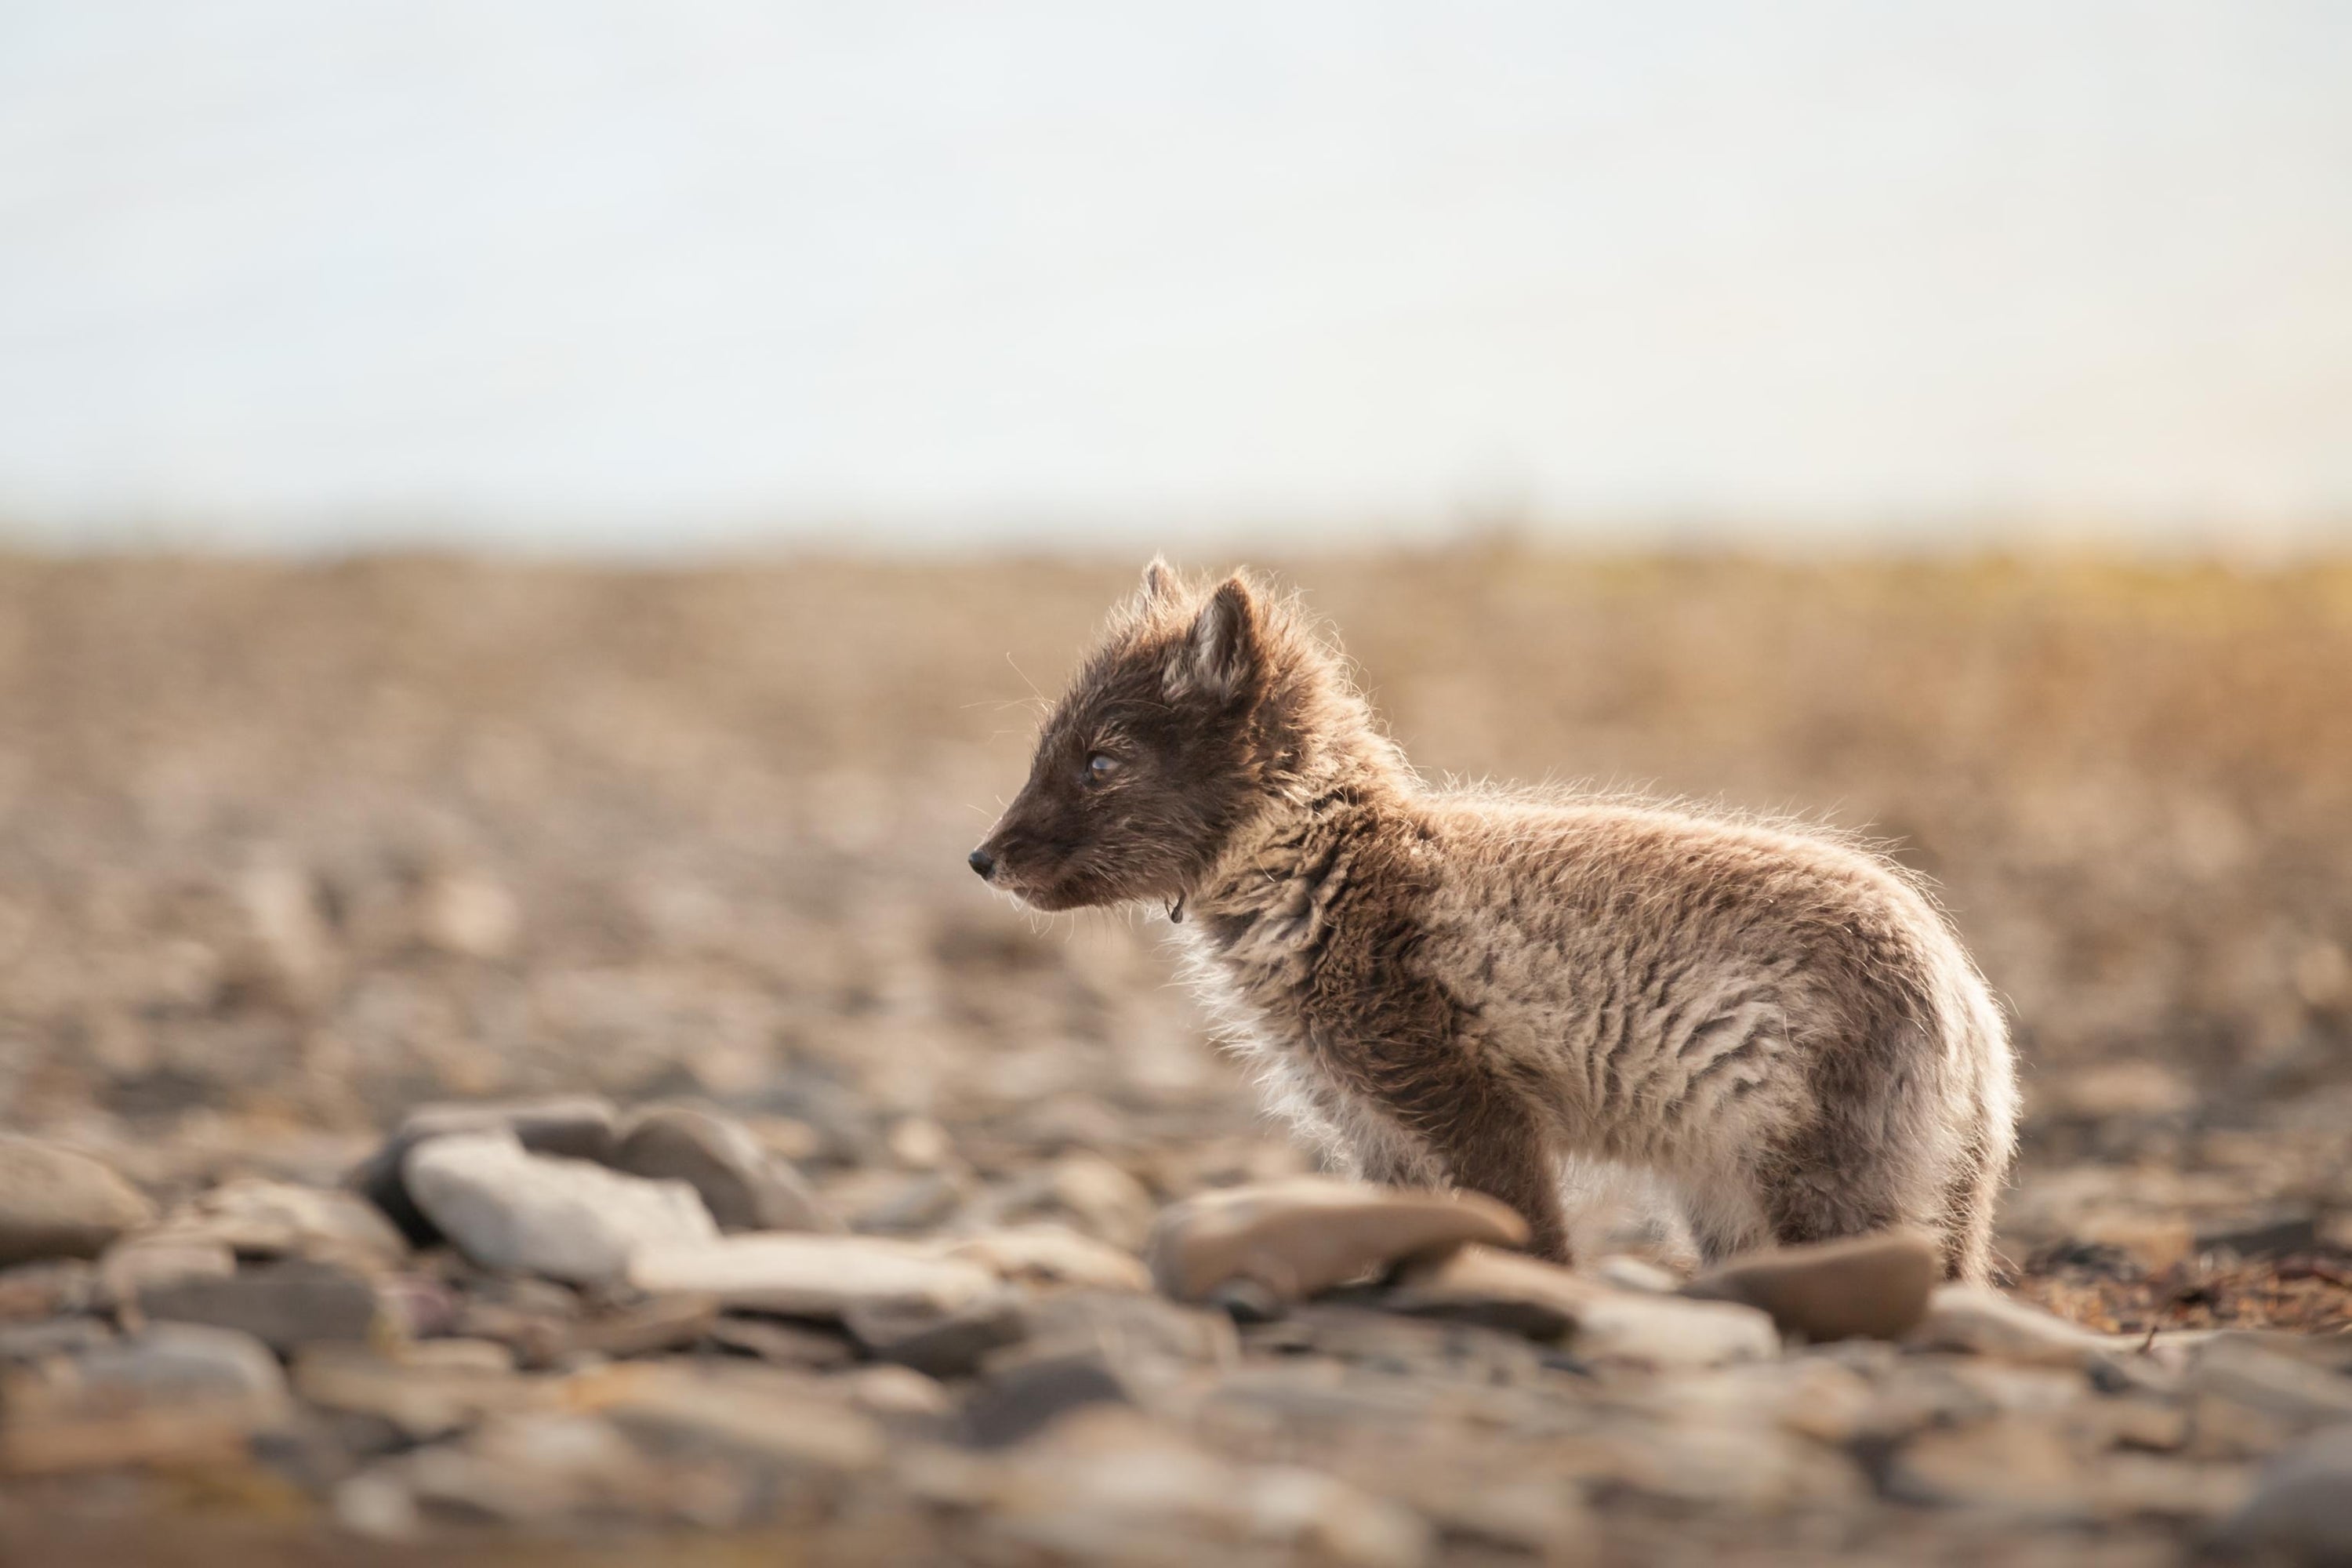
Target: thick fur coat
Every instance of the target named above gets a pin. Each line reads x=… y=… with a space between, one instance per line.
x=1478 y=987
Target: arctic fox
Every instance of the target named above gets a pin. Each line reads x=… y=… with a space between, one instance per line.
x=1475 y=987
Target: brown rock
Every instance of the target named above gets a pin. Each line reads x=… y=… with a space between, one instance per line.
x=781 y=1344
x=284 y=1305
x=144 y=1263
x=1866 y=1287
x=255 y=1217
x=176 y=1393
x=645 y=1328
x=1294 y=1238
x=57 y=1202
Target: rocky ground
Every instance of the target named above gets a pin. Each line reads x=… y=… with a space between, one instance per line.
x=824 y=1210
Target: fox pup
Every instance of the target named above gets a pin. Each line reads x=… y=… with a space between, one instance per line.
x=1475 y=987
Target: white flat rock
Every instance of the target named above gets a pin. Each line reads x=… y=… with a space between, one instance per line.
x=505 y=1209
x=813 y=1276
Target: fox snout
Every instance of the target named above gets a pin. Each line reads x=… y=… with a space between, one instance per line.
x=984 y=863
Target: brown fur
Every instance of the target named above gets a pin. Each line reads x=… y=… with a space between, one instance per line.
x=1477 y=987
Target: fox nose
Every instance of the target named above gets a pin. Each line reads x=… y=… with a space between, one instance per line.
x=984 y=863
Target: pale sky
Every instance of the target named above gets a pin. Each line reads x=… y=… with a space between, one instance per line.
x=556 y=274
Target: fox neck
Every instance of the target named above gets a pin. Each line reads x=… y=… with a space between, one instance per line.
x=1282 y=864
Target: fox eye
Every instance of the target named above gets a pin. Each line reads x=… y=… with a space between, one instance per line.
x=1099 y=767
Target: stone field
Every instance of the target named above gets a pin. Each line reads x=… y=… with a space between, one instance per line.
x=503 y=1064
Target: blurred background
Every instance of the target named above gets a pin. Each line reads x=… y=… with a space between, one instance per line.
x=610 y=277
x=534 y=532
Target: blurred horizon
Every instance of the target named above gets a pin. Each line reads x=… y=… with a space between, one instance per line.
x=727 y=280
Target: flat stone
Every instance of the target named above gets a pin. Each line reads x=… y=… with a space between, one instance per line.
x=2278 y=1236
x=1300 y=1237
x=575 y=1127
x=1023 y=1398
x=2301 y=1508
x=744 y=1186
x=1106 y=1485
x=1052 y=1255
x=948 y=1344
x=1141 y=1333
x=176 y=1391
x=65 y=1336
x=761 y=1419
x=1507 y=1290
x=1864 y=1286
x=2012 y=1464
x=144 y=1263
x=422 y=1401
x=1544 y=1301
x=2285 y=1388
x=505 y=1209
x=57 y=1202
x=781 y=1344
x=1981 y=1321
x=646 y=1328
x=813 y=1276
x=285 y=1305
x=259 y=1219
x=898 y=1203
x=536 y=1469
x=1668 y=1331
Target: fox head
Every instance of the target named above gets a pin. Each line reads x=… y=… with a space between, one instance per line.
x=1183 y=722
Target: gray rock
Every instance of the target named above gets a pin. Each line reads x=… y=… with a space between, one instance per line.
x=781 y=1344
x=743 y=1185
x=767 y=1417
x=2302 y=1504
x=1108 y=1486
x=1138 y=1333
x=2285 y=1388
x=1864 y=1286
x=903 y=1204
x=285 y=1305
x=1025 y=1396
x=1982 y=1322
x=509 y=1209
x=57 y=1202
x=949 y=1343
x=2277 y=1235
x=1300 y=1237
x=814 y=1275
x=575 y=1127
x=176 y=1391
x=64 y=1336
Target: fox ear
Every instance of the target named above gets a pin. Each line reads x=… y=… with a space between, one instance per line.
x=1223 y=651
x=1159 y=582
